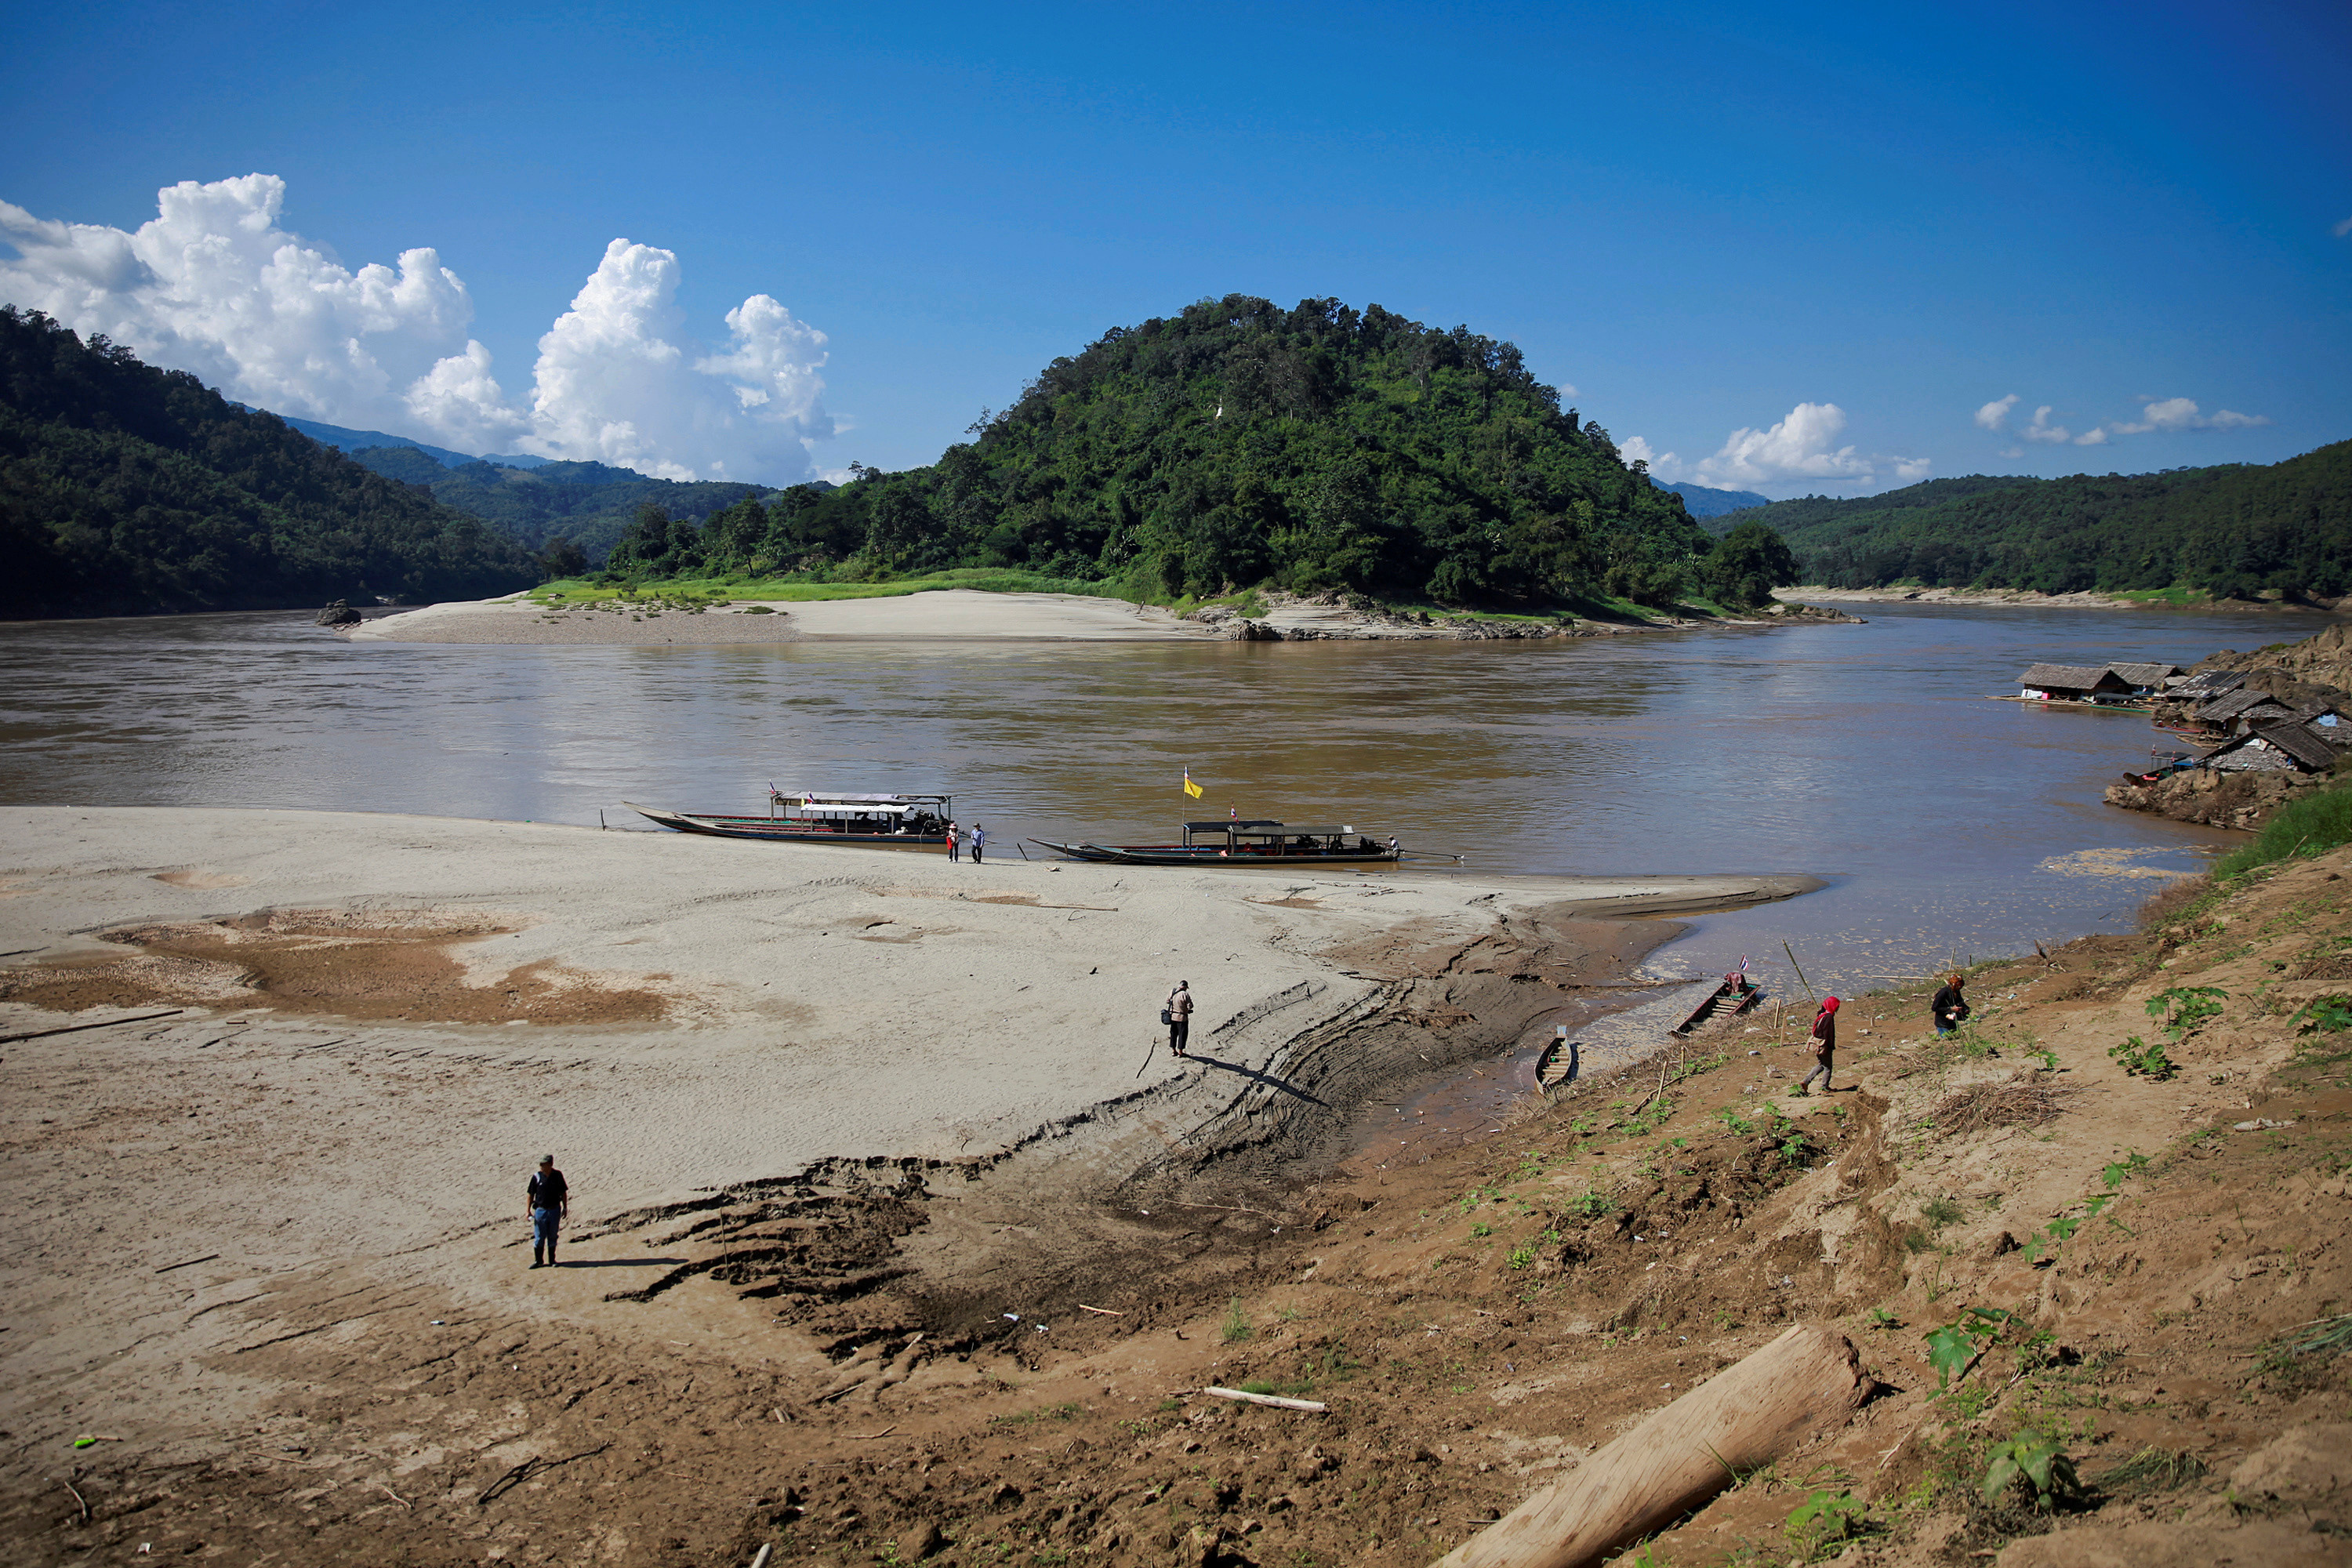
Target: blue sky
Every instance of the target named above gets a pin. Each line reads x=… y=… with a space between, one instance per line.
x=1843 y=231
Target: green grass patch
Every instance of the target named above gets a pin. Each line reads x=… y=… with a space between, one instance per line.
x=2312 y=825
x=806 y=587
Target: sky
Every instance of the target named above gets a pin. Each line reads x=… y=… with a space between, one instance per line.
x=1820 y=249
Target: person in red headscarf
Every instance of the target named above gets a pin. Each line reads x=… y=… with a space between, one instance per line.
x=1824 y=1046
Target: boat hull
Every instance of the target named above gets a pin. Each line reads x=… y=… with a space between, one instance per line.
x=1209 y=854
x=772 y=830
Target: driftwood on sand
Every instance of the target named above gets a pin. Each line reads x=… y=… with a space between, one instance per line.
x=1806 y=1381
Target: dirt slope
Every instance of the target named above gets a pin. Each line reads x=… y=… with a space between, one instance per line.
x=744 y=1370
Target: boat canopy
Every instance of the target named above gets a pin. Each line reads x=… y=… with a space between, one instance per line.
x=804 y=804
x=1219 y=824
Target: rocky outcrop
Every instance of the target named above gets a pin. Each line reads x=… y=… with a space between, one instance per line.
x=1827 y=616
x=339 y=613
x=2217 y=799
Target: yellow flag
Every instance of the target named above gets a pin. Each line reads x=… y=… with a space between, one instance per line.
x=1190 y=787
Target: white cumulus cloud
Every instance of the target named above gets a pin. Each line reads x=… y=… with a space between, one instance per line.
x=2041 y=430
x=1663 y=464
x=2167 y=414
x=2180 y=413
x=215 y=285
x=1802 y=447
x=1994 y=414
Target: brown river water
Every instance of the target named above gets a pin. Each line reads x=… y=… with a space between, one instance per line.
x=1946 y=824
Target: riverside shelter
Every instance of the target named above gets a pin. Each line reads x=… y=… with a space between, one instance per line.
x=2269 y=749
x=2074 y=683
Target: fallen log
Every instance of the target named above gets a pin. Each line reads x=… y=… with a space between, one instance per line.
x=1269 y=1399
x=1806 y=1381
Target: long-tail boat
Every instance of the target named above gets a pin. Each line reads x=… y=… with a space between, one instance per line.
x=1733 y=997
x=810 y=817
x=1257 y=842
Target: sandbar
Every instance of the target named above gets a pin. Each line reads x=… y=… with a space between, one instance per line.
x=943 y=615
x=376 y=1024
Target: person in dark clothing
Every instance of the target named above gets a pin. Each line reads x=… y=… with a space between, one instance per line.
x=546 y=1203
x=1824 y=1046
x=1179 y=1017
x=1950 y=1006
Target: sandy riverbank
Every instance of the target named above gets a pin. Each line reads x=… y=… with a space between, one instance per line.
x=946 y=614
x=2010 y=598
x=442 y=1000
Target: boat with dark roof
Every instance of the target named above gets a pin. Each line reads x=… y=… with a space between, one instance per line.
x=1260 y=841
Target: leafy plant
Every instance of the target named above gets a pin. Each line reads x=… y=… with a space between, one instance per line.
x=1952 y=1350
x=1826 y=1521
x=2035 y=1458
x=2140 y=1059
x=1522 y=1256
x=2131 y=1165
x=1592 y=1204
x=1738 y=1124
x=2329 y=1015
x=1879 y=1318
x=2184 y=1007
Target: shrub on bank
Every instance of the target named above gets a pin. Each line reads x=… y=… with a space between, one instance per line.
x=2312 y=825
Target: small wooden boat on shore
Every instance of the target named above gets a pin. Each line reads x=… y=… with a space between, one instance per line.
x=1260 y=842
x=1557 y=1064
x=802 y=816
x=1734 y=995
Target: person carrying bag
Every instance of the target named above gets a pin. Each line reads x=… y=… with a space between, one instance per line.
x=1178 y=1016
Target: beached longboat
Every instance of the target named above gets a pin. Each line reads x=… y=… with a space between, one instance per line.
x=810 y=816
x=1557 y=1063
x=1258 y=841
x=1734 y=995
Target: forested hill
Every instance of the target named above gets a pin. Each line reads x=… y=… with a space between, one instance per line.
x=2231 y=531
x=1240 y=443
x=126 y=489
x=589 y=503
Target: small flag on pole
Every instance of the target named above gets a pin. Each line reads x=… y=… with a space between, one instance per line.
x=1190 y=787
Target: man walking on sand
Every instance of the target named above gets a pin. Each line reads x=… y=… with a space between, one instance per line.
x=979 y=842
x=1824 y=1046
x=546 y=1203
x=1179 y=1014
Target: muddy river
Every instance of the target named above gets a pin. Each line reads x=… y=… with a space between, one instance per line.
x=1946 y=824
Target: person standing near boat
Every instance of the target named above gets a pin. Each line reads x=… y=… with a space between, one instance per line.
x=1950 y=1006
x=1178 y=1015
x=955 y=843
x=1824 y=1046
x=545 y=1203
x=979 y=843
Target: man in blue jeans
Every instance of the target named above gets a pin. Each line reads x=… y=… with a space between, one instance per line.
x=547 y=1202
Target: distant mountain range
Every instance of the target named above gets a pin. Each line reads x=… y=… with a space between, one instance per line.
x=2234 y=530
x=592 y=504
x=1701 y=501
x=344 y=440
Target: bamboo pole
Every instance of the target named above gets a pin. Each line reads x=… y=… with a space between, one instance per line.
x=1806 y=1381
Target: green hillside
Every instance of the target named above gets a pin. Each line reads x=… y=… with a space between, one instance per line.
x=2237 y=529
x=1236 y=444
x=589 y=503
x=125 y=488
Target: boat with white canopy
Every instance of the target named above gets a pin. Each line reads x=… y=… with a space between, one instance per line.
x=824 y=816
